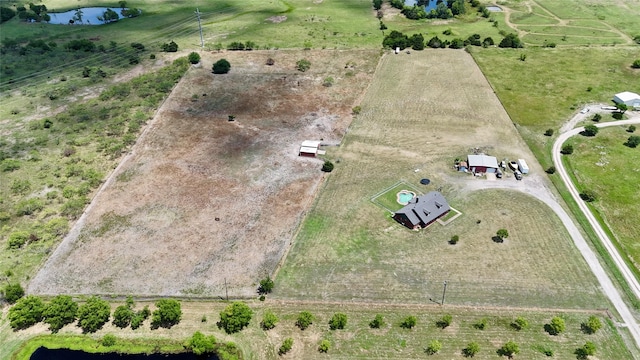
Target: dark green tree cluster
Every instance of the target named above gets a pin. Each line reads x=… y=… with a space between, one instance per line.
x=590 y=130
x=109 y=16
x=7 y=14
x=61 y=311
x=221 y=66
x=511 y=41
x=239 y=46
x=12 y=292
x=266 y=286
x=167 y=314
x=396 y=39
x=170 y=47
x=37 y=13
x=633 y=141
x=235 y=317
x=193 y=57
x=26 y=312
x=125 y=315
x=93 y=314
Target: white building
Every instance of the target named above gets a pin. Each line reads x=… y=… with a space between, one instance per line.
x=310 y=148
x=628 y=98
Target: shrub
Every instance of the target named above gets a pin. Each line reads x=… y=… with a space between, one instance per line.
x=631 y=128
x=633 y=141
x=549 y=132
x=338 y=321
x=235 y=317
x=510 y=41
x=26 y=312
x=324 y=346
x=592 y=325
x=636 y=64
x=328 y=82
x=471 y=350
x=17 y=239
x=138 y=46
x=170 y=47
x=588 y=195
x=551 y=170
x=481 y=324
x=13 y=292
x=193 y=57
x=139 y=317
x=108 y=340
x=409 y=322
x=303 y=65
x=377 y=322
x=287 y=344
x=122 y=316
x=590 y=130
x=305 y=319
x=327 y=166
x=221 y=66
x=270 y=62
x=356 y=110
x=509 y=349
x=567 y=149
x=588 y=349
x=269 y=321
x=454 y=239
x=93 y=314
x=520 y=323
x=556 y=326
x=444 y=322
x=547 y=351
x=62 y=310
x=266 y=285
x=433 y=348
x=200 y=344
x=596 y=117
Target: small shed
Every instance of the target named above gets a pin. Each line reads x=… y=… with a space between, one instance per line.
x=482 y=163
x=310 y=148
x=628 y=98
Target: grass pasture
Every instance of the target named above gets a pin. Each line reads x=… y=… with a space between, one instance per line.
x=603 y=164
x=351 y=250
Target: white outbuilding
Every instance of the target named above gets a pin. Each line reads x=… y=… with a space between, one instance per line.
x=628 y=98
x=310 y=148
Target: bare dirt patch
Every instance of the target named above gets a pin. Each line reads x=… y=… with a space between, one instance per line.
x=202 y=200
x=277 y=19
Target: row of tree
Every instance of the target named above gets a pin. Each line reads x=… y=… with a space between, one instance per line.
x=396 y=39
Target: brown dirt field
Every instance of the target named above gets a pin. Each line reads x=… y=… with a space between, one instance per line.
x=152 y=229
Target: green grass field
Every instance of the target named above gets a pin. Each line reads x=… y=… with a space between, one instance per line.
x=604 y=165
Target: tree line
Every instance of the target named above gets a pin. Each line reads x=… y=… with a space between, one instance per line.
x=396 y=39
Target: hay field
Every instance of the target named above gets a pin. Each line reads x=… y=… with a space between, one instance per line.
x=202 y=200
x=422 y=111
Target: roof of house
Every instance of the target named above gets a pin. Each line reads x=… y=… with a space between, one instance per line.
x=310 y=150
x=482 y=160
x=311 y=143
x=627 y=96
x=425 y=208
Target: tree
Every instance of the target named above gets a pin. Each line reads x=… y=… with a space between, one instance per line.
x=520 y=323
x=622 y=108
x=303 y=65
x=26 y=312
x=327 y=166
x=444 y=322
x=170 y=47
x=324 y=346
x=456 y=43
x=588 y=195
x=109 y=16
x=441 y=11
x=471 y=350
x=200 y=344
x=396 y=39
x=458 y=8
x=6 y=14
x=636 y=64
x=633 y=141
x=338 y=321
x=509 y=349
x=592 y=325
x=377 y=4
x=193 y=57
x=139 y=317
x=434 y=347
x=409 y=322
x=13 y=292
x=62 y=310
x=567 y=149
x=122 y=316
x=590 y=130
x=549 y=132
x=501 y=235
x=596 y=117
x=414 y=12
x=377 y=322
x=588 y=349
x=556 y=326
x=454 y=239
x=287 y=344
x=167 y=314
x=631 y=128
x=93 y=314
x=510 y=41
x=305 y=319
x=481 y=324
x=266 y=285
x=435 y=43
x=269 y=320
x=235 y=317
x=221 y=66
x=417 y=42
x=487 y=42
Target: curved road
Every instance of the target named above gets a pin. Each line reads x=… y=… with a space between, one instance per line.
x=604 y=280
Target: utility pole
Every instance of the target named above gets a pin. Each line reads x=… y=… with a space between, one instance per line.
x=444 y=291
x=200 y=26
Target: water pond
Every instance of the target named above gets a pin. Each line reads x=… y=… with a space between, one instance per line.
x=430 y=6
x=87 y=16
x=43 y=353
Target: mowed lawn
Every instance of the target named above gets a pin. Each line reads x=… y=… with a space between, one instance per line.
x=603 y=164
x=421 y=111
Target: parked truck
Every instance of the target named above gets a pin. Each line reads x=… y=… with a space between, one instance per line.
x=522 y=166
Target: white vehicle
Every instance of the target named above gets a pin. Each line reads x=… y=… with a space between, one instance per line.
x=584 y=111
x=609 y=108
x=522 y=166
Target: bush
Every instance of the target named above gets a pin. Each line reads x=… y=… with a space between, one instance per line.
x=287 y=344
x=221 y=66
x=632 y=141
x=409 y=322
x=270 y=62
x=17 y=239
x=631 y=128
x=170 y=47
x=377 y=322
x=13 y=292
x=509 y=349
x=303 y=65
x=193 y=57
x=567 y=149
x=93 y=314
x=62 y=310
x=138 y=46
x=444 y=322
x=596 y=117
x=327 y=166
x=235 y=317
x=338 y=321
x=510 y=41
x=556 y=326
x=433 y=348
x=356 y=110
x=26 y=312
x=636 y=64
x=454 y=239
x=122 y=316
x=139 y=317
x=551 y=170
x=588 y=349
x=28 y=206
x=588 y=195
x=269 y=320
x=520 y=323
x=200 y=344
x=167 y=314
x=305 y=319
x=324 y=346
x=471 y=350
x=590 y=130
x=266 y=286
x=108 y=340
x=481 y=324
x=549 y=132
x=592 y=325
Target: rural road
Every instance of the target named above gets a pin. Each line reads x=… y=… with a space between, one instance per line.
x=536 y=187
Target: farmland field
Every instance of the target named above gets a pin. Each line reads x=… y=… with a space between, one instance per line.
x=413 y=125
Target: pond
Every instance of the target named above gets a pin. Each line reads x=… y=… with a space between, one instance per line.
x=430 y=6
x=43 y=353
x=88 y=16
